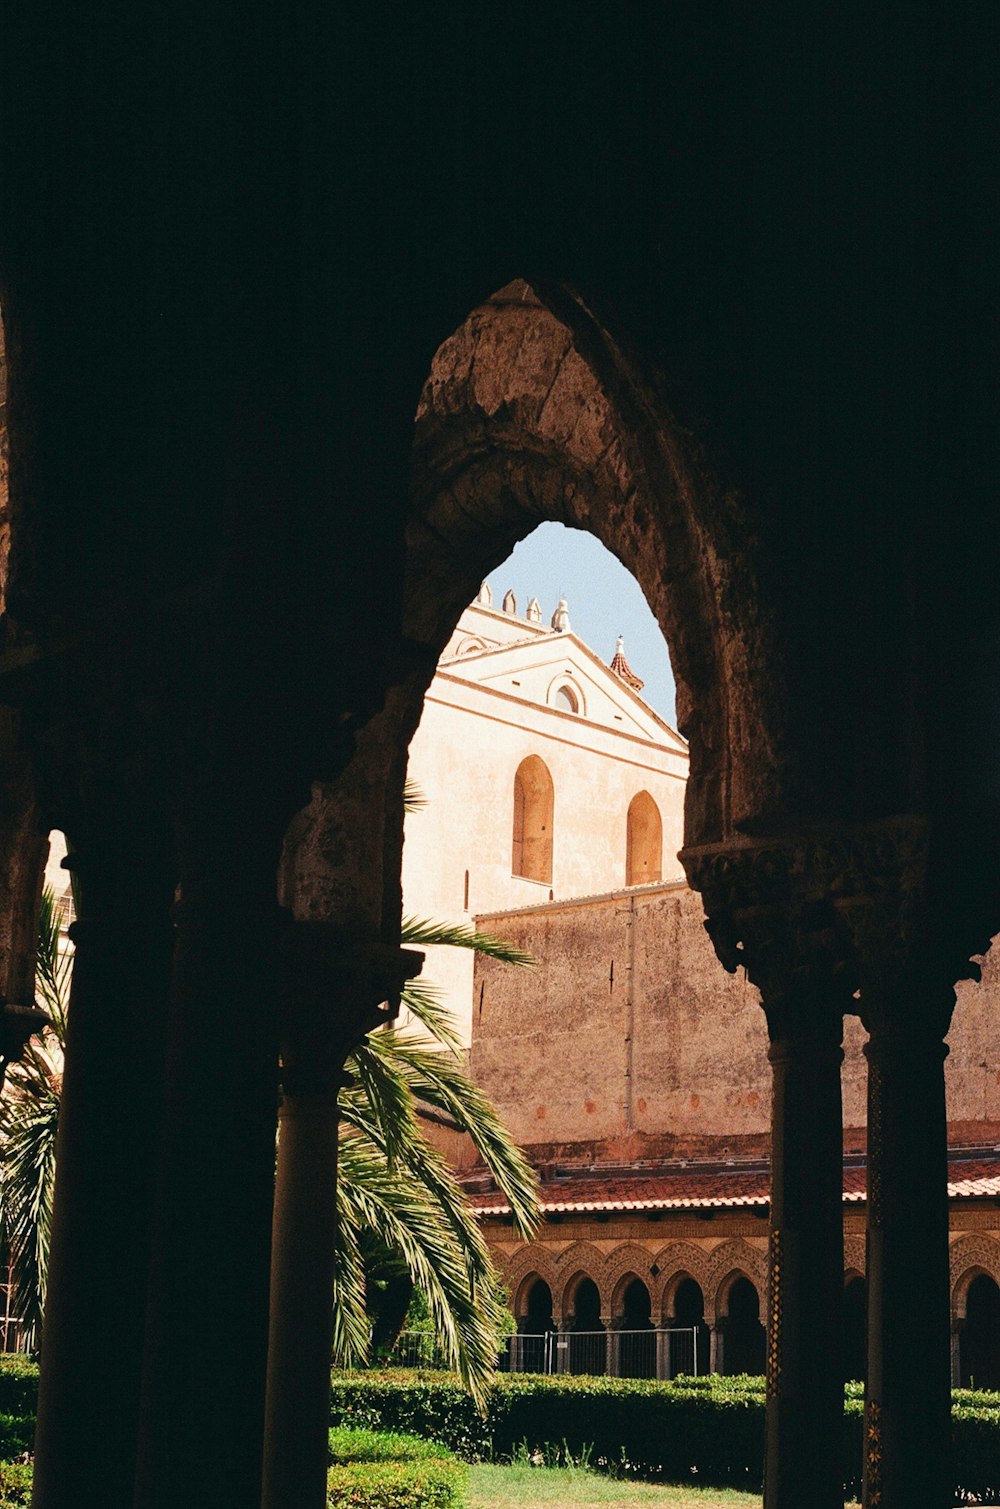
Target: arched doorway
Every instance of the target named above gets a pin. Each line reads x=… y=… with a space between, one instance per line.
x=744 y=1341
x=587 y=1351
x=979 y=1346
x=636 y=1343
x=529 y=1349
x=689 y=1354
x=855 y=1328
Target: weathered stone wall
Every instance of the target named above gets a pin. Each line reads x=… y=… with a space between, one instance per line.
x=629 y=1040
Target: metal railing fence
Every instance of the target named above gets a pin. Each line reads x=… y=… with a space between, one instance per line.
x=662 y=1353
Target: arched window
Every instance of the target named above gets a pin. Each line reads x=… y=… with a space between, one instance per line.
x=533 y=803
x=643 y=841
x=566 y=694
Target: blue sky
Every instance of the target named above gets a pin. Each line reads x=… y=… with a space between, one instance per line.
x=604 y=601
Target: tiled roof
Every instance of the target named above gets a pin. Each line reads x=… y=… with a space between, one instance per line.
x=698 y=1189
x=624 y=671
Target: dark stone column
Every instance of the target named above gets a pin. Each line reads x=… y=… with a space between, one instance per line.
x=109 y=1130
x=908 y=1402
x=333 y=996
x=805 y=1402
x=202 y=1405
x=771 y=910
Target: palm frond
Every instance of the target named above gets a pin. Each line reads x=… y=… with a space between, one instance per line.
x=439 y=1080
x=425 y=1003
x=422 y=932
x=413 y=797
x=27 y=1179
x=401 y=1211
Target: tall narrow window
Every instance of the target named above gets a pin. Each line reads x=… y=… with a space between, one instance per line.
x=643 y=841
x=533 y=802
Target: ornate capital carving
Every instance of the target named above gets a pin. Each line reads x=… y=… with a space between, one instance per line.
x=337 y=988
x=838 y=911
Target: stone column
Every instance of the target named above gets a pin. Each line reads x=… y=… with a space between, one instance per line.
x=717 y=1346
x=956 y=1352
x=109 y=1131
x=202 y=1405
x=612 y=1346
x=771 y=910
x=564 y=1331
x=914 y=929
x=662 y=1353
x=908 y=1401
x=806 y=1256
x=334 y=992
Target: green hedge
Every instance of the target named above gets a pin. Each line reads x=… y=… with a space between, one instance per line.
x=15 y=1484
x=708 y=1430
x=389 y=1471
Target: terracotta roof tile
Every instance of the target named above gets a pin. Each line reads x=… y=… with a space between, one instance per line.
x=699 y=1189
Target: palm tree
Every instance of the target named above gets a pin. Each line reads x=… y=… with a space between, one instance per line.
x=29 y=1120
x=397 y=1196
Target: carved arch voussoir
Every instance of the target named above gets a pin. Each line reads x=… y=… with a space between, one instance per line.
x=580 y=1260
x=630 y=1259
x=970 y=1256
x=534 y=1259
x=854 y=1254
x=733 y=1256
x=679 y=1260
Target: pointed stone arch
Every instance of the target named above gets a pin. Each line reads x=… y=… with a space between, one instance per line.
x=533 y=411
x=678 y=1261
x=630 y=1261
x=970 y=1256
x=579 y=1260
x=730 y=1258
x=532 y=1260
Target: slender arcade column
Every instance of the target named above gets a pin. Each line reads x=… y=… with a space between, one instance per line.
x=109 y=1129
x=805 y=1403
x=771 y=908
x=908 y=1403
x=202 y=1404
x=333 y=992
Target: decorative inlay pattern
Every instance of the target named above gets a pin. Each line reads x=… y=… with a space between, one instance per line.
x=774 y=1317
x=873 y=1454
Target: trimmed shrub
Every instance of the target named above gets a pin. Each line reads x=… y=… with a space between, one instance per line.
x=389 y=1471
x=15 y=1484
x=18 y=1384
x=709 y=1430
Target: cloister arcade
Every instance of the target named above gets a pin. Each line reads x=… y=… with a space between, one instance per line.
x=315 y=320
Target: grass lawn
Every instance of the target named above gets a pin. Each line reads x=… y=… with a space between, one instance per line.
x=496 y=1487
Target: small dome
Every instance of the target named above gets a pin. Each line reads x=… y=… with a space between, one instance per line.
x=560 y=618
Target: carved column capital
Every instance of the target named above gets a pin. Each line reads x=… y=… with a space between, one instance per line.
x=337 y=988
x=771 y=909
x=855 y=906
